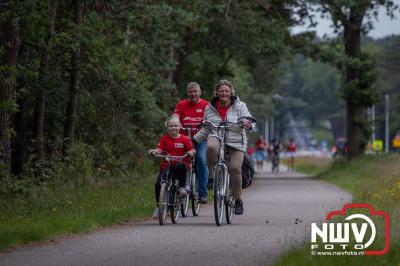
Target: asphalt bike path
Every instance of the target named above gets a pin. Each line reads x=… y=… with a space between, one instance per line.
x=278 y=211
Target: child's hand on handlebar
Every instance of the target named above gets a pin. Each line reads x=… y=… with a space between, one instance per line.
x=153 y=152
x=190 y=153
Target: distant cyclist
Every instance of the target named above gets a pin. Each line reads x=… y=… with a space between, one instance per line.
x=274 y=149
x=291 y=153
x=190 y=112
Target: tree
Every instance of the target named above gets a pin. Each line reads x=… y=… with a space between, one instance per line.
x=359 y=81
x=43 y=86
x=10 y=46
x=69 y=126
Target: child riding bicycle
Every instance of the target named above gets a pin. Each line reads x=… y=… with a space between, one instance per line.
x=175 y=144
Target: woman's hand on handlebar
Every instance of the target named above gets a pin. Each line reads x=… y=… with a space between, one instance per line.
x=246 y=121
x=246 y=124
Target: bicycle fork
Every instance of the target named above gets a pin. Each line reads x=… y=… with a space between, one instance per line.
x=224 y=182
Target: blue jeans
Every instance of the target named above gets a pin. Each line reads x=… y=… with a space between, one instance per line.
x=202 y=169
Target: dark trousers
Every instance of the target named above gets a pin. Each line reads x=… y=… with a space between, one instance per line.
x=177 y=171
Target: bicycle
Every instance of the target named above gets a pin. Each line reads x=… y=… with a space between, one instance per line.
x=223 y=198
x=191 y=184
x=169 y=195
x=275 y=163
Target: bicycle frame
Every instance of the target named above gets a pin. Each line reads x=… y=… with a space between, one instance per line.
x=223 y=200
x=221 y=162
x=190 y=181
x=171 y=200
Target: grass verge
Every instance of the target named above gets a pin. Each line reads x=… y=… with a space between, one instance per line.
x=371 y=179
x=58 y=211
x=310 y=165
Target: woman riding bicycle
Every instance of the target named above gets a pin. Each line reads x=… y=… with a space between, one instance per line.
x=174 y=144
x=226 y=106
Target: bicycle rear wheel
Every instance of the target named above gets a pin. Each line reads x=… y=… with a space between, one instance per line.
x=176 y=206
x=194 y=195
x=229 y=201
x=163 y=204
x=219 y=195
x=186 y=199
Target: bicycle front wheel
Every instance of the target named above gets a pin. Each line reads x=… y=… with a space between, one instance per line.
x=219 y=195
x=185 y=200
x=176 y=206
x=194 y=195
x=163 y=204
x=229 y=201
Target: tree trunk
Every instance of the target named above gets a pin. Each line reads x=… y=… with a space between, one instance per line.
x=11 y=42
x=20 y=150
x=355 y=111
x=69 y=126
x=40 y=104
x=183 y=54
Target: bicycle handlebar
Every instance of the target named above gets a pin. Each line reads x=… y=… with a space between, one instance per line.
x=228 y=125
x=169 y=157
x=189 y=128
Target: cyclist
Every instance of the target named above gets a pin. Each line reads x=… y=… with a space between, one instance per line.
x=190 y=112
x=173 y=143
x=226 y=106
x=275 y=149
x=291 y=153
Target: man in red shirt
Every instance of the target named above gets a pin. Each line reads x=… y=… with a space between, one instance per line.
x=190 y=112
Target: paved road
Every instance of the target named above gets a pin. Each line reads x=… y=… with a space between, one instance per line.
x=267 y=228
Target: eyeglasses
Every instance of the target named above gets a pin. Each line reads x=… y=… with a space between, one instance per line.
x=173 y=126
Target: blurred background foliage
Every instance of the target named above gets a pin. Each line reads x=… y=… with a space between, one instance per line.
x=134 y=59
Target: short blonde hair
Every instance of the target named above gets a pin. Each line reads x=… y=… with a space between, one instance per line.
x=172 y=118
x=223 y=82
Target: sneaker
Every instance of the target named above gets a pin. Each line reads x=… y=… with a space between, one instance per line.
x=238 y=210
x=182 y=192
x=156 y=212
x=203 y=200
x=210 y=184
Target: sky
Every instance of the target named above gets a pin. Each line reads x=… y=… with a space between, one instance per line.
x=384 y=26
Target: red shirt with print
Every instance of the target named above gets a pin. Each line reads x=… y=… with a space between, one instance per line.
x=222 y=110
x=175 y=147
x=190 y=114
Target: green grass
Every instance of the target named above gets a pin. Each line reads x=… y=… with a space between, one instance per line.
x=61 y=212
x=371 y=179
x=311 y=165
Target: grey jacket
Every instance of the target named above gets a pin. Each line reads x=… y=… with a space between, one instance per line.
x=236 y=136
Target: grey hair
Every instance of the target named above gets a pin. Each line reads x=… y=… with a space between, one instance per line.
x=223 y=82
x=172 y=118
x=192 y=84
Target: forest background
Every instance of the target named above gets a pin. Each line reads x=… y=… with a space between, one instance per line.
x=86 y=85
